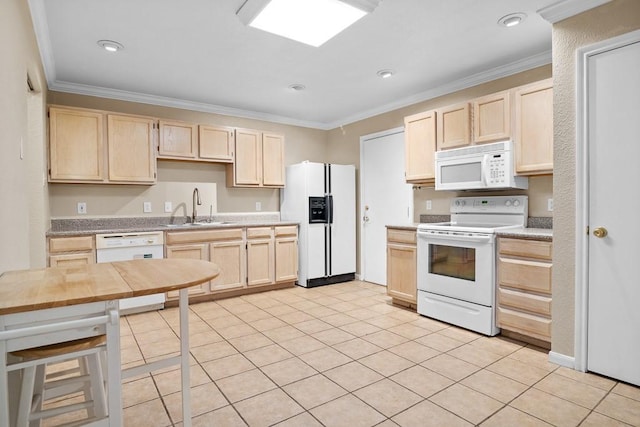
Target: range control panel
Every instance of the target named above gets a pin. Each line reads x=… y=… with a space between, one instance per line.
x=490 y=204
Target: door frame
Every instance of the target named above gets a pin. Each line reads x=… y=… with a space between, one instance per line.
x=582 y=189
x=363 y=140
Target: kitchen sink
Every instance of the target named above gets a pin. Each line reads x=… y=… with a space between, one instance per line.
x=197 y=224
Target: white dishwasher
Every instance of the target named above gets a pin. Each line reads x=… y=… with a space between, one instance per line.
x=128 y=246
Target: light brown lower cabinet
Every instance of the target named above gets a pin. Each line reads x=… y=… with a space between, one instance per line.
x=70 y=251
x=402 y=266
x=189 y=251
x=524 y=287
x=247 y=258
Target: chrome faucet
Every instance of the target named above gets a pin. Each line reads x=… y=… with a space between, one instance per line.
x=196 y=200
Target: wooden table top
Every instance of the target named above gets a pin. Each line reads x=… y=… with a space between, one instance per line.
x=27 y=290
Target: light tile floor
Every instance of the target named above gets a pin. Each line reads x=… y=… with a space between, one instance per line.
x=342 y=355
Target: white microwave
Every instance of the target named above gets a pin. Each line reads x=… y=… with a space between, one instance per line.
x=478 y=167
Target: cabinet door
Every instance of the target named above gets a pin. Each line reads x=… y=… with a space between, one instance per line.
x=286 y=254
x=492 y=118
x=453 y=126
x=72 y=260
x=177 y=139
x=260 y=262
x=248 y=163
x=216 y=143
x=230 y=257
x=272 y=160
x=76 y=145
x=131 y=155
x=401 y=272
x=534 y=128
x=420 y=147
x=200 y=251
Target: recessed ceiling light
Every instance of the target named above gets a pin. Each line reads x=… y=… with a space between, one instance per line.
x=385 y=74
x=110 y=45
x=312 y=22
x=297 y=87
x=512 y=19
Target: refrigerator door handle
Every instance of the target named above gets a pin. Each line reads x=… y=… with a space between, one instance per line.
x=330 y=209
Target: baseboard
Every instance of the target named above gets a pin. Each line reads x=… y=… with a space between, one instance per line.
x=562 y=360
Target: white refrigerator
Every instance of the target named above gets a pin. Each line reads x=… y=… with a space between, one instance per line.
x=322 y=198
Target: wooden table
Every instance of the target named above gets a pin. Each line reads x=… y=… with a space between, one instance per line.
x=44 y=306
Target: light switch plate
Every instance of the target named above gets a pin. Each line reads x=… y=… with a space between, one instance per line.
x=146 y=207
x=258 y=206
x=168 y=207
x=428 y=205
x=550 y=205
x=82 y=208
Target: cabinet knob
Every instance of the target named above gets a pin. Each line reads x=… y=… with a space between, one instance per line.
x=600 y=232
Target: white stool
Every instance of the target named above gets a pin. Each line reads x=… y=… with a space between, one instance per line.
x=88 y=379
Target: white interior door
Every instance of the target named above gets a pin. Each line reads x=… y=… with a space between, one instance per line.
x=386 y=199
x=613 y=103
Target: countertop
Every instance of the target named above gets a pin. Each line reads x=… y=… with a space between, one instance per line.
x=528 y=233
x=83 y=227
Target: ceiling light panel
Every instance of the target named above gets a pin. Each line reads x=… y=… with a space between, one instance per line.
x=310 y=22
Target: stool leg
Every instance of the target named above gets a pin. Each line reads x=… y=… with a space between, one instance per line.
x=26 y=396
x=38 y=393
x=97 y=385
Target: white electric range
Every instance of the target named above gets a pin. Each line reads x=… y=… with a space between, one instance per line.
x=457 y=260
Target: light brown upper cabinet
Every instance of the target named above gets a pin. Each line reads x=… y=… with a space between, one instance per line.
x=534 y=128
x=78 y=153
x=76 y=145
x=492 y=118
x=453 y=128
x=177 y=140
x=259 y=160
x=420 y=147
x=131 y=149
x=216 y=143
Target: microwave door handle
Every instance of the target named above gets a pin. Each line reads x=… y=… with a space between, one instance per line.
x=485 y=170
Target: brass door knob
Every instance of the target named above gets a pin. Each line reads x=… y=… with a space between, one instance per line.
x=600 y=232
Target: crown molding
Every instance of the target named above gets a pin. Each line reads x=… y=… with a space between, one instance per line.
x=564 y=9
x=143 y=98
x=525 y=64
x=41 y=29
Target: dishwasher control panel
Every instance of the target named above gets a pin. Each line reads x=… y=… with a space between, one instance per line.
x=127 y=240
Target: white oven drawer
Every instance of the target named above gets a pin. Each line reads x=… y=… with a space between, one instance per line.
x=467 y=315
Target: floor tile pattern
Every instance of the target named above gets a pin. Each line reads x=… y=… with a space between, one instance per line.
x=343 y=355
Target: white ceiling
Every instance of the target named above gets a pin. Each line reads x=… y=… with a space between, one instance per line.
x=196 y=54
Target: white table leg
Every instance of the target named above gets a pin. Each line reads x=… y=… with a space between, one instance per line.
x=184 y=354
x=114 y=366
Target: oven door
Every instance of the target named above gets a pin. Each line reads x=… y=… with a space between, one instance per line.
x=460 y=266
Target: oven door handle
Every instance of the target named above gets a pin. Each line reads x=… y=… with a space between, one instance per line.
x=455 y=237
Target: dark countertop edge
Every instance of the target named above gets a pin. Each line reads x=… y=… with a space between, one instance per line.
x=412 y=227
x=528 y=234
x=68 y=233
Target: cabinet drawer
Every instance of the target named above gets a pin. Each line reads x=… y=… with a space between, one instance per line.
x=401 y=236
x=286 y=230
x=537 y=304
x=525 y=248
x=527 y=275
x=203 y=236
x=528 y=324
x=259 y=232
x=68 y=244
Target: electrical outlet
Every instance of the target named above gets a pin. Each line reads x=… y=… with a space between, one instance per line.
x=146 y=207
x=550 y=205
x=168 y=207
x=82 y=208
x=428 y=205
x=258 y=206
